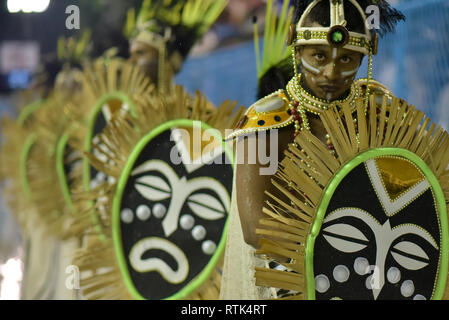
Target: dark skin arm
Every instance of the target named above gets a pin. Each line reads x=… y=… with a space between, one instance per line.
x=251 y=185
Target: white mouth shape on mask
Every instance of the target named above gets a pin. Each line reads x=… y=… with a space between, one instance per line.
x=157 y=265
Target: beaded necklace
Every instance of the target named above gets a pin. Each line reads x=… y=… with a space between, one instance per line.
x=303 y=102
x=311 y=103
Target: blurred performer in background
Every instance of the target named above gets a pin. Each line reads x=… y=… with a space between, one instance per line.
x=163 y=33
x=343 y=217
x=30 y=163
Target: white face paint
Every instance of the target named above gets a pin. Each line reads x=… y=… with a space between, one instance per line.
x=329 y=96
x=313 y=79
x=346 y=73
x=350 y=72
x=309 y=67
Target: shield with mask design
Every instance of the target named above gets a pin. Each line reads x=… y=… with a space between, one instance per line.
x=169 y=227
x=368 y=220
x=164 y=217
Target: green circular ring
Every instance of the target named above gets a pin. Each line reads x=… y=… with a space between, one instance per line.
x=330 y=189
x=117 y=239
x=28 y=110
x=29 y=142
x=88 y=139
x=62 y=143
x=25 y=152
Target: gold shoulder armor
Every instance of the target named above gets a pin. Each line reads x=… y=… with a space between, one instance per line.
x=374 y=85
x=376 y=88
x=270 y=112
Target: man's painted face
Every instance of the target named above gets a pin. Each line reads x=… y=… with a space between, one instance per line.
x=146 y=58
x=328 y=72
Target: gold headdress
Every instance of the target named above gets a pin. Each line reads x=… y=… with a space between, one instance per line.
x=336 y=34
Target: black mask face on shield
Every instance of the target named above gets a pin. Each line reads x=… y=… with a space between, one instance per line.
x=380 y=237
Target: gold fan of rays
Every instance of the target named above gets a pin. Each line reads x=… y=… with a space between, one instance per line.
x=49 y=179
x=112 y=87
x=17 y=148
x=120 y=137
x=113 y=78
x=34 y=196
x=107 y=83
x=309 y=168
x=14 y=138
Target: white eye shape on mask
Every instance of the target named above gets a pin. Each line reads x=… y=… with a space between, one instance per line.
x=204 y=205
x=345 y=238
x=348 y=239
x=403 y=253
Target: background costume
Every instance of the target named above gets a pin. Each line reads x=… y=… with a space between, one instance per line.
x=155 y=229
x=33 y=163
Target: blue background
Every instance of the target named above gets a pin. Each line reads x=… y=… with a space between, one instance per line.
x=413 y=62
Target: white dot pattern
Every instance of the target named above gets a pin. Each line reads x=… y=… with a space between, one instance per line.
x=127 y=215
x=159 y=210
x=322 y=283
x=393 y=275
x=199 y=233
x=407 y=288
x=361 y=266
x=143 y=212
x=208 y=247
x=368 y=283
x=94 y=183
x=187 y=222
x=101 y=176
x=341 y=273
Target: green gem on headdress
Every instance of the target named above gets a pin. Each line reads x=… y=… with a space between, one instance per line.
x=337 y=36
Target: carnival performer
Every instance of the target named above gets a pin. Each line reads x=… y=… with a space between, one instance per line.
x=325 y=116
x=34 y=189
